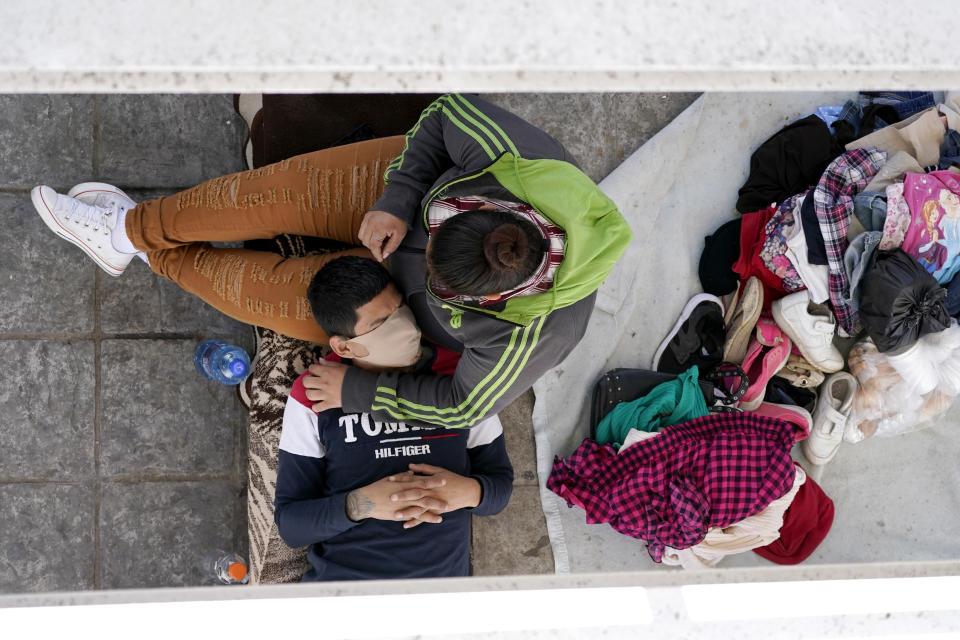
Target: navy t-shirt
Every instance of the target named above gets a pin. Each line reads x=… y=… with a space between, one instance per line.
x=324 y=457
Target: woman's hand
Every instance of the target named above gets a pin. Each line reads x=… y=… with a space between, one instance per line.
x=381 y=232
x=324 y=385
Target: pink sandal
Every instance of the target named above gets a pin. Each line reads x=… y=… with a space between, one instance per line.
x=766 y=355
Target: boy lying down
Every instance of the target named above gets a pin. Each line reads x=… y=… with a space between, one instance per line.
x=381 y=499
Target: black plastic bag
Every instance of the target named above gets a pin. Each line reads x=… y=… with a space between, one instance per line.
x=900 y=301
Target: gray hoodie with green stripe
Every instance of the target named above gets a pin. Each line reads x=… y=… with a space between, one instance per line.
x=465 y=146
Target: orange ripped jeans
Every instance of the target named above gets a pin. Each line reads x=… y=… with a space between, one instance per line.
x=324 y=194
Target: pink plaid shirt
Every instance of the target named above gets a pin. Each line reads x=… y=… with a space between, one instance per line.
x=669 y=490
x=542 y=278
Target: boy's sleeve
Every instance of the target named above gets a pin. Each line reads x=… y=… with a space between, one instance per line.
x=462 y=131
x=488 y=377
x=303 y=514
x=490 y=466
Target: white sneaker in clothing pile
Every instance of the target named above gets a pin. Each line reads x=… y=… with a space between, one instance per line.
x=830 y=418
x=811 y=332
x=89 y=226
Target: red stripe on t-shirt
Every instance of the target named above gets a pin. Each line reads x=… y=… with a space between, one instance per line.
x=299 y=393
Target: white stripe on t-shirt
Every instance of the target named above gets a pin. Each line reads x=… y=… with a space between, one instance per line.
x=485 y=432
x=299 y=434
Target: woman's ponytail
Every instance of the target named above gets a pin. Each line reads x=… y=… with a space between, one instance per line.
x=481 y=252
x=505 y=247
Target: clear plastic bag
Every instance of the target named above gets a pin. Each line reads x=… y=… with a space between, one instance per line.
x=902 y=392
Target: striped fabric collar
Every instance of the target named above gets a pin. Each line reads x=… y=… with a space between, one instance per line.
x=542 y=278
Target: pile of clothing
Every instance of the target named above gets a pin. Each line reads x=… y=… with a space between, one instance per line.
x=828 y=300
x=700 y=490
x=850 y=227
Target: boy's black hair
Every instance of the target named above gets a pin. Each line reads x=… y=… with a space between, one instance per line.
x=342 y=286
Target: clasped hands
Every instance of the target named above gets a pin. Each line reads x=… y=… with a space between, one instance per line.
x=418 y=495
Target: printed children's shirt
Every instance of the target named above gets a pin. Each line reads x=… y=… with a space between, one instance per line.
x=933 y=237
x=774 y=249
x=324 y=456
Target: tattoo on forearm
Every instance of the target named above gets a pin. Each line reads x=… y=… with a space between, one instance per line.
x=359 y=506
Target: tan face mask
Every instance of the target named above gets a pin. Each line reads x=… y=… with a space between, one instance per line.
x=395 y=343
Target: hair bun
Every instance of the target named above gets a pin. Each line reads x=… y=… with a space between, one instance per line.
x=505 y=247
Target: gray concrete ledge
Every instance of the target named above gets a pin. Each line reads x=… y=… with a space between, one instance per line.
x=646 y=579
x=480 y=80
x=613 y=606
x=499 y=45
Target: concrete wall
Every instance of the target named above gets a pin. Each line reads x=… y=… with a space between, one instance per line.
x=495 y=45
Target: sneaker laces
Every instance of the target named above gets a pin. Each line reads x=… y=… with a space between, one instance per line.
x=89 y=215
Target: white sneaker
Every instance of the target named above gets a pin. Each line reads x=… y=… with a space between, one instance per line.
x=87 y=226
x=830 y=418
x=813 y=334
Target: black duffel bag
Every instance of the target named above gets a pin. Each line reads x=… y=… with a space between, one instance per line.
x=624 y=385
x=900 y=301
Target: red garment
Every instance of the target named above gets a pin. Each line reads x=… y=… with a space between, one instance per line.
x=805 y=524
x=752 y=236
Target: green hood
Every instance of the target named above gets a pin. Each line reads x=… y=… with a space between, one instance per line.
x=596 y=233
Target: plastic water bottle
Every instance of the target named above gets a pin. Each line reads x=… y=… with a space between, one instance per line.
x=230 y=568
x=222 y=362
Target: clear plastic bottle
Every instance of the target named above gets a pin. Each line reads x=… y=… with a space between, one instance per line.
x=230 y=568
x=222 y=362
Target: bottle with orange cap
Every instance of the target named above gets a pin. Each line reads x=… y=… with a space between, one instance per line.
x=231 y=568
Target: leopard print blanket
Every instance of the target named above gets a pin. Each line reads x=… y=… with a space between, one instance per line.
x=280 y=361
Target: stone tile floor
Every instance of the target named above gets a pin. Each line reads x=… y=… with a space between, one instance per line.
x=119 y=465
